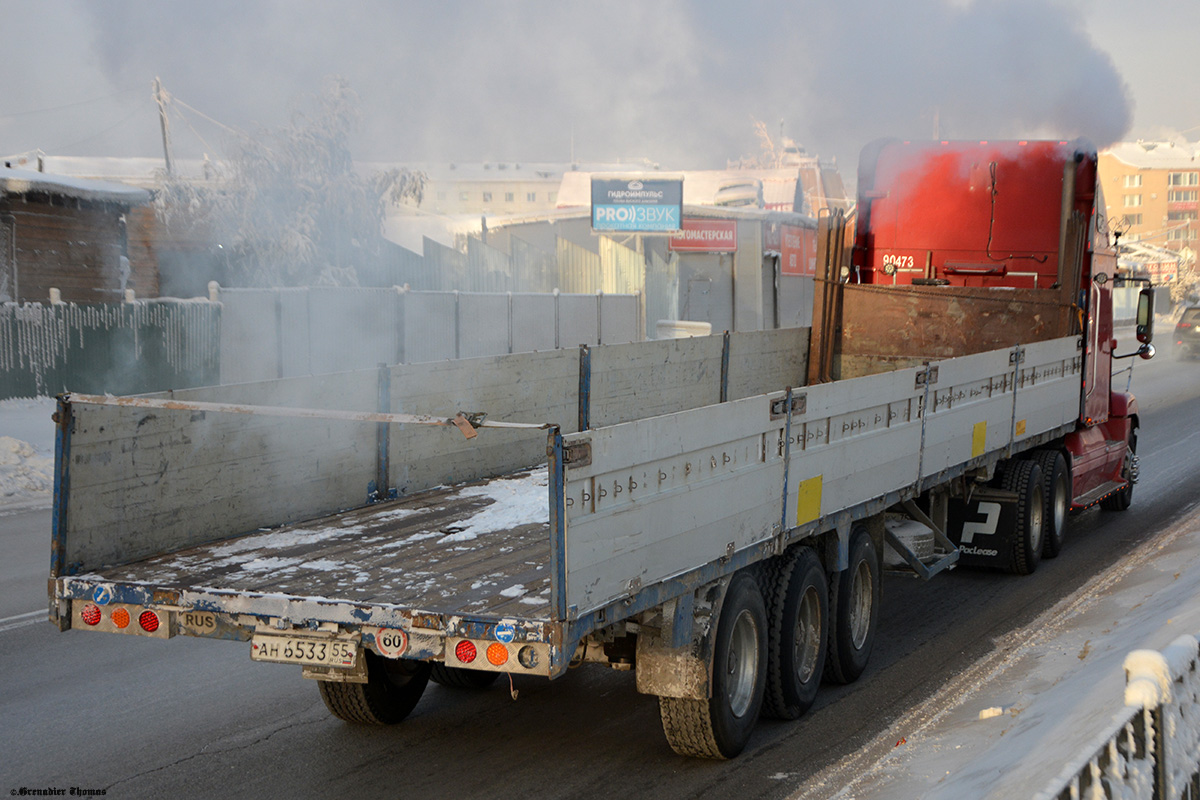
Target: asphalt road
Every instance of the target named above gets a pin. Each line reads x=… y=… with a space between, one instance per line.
x=196 y=718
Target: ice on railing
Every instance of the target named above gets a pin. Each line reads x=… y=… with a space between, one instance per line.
x=1181 y=715
x=1162 y=698
x=1118 y=764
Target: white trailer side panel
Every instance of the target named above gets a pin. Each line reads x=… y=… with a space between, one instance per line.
x=969 y=410
x=536 y=388
x=854 y=440
x=147 y=481
x=1048 y=389
x=664 y=495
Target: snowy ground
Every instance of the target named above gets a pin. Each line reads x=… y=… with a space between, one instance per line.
x=1005 y=727
x=26 y=453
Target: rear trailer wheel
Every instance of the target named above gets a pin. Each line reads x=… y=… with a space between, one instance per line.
x=797 y=619
x=1124 y=498
x=1025 y=478
x=720 y=726
x=391 y=692
x=459 y=678
x=855 y=604
x=1056 y=492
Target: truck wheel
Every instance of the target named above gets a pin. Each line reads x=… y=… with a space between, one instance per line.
x=1025 y=478
x=1124 y=498
x=720 y=726
x=392 y=690
x=1056 y=491
x=459 y=678
x=855 y=602
x=797 y=619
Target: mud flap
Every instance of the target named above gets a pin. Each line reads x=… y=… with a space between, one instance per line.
x=982 y=528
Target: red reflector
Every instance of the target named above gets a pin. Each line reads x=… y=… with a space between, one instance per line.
x=91 y=614
x=465 y=652
x=149 y=621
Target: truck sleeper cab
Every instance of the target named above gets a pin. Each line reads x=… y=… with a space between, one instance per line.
x=714 y=514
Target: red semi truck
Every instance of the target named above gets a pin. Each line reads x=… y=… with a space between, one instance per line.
x=712 y=514
x=956 y=222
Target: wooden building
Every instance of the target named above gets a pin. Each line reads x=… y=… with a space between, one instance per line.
x=68 y=234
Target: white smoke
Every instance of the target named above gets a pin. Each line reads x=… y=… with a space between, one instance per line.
x=677 y=82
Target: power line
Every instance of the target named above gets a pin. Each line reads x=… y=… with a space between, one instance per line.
x=65 y=105
x=97 y=134
x=207 y=117
x=192 y=127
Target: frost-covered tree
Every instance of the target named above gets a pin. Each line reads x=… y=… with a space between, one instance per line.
x=287 y=206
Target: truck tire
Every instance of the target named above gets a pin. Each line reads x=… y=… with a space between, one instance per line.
x=1124 y=498
x=391 y=692
x=1025 y=478
x=459 y=678
x=797 y=631
x=720 y=726
x=1056 y=491
x=855 y=604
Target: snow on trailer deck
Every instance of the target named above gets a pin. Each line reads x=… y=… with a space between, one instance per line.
x=478 y=548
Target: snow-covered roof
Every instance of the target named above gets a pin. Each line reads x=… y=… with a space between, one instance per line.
x=507 y=171
x=1140 y=252
x=1157 y=155
x=143 y=172
x=20 y=181
x=700 y=187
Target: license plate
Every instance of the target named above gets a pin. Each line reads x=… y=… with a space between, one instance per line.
x=298 y=650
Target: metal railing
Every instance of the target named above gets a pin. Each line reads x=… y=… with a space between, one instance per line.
x=1151 y=749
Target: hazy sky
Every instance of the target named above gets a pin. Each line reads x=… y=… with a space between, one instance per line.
x=680 y=83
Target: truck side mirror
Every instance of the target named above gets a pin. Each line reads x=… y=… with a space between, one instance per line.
x=1145 y=315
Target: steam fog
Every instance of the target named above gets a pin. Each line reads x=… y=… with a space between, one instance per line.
x=676 y=82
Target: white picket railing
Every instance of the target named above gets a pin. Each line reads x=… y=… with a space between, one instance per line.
x=1151 y=749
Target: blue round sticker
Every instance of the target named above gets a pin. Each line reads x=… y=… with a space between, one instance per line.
x=102 y=595
x=505 y=632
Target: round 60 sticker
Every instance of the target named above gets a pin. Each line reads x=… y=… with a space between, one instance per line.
x=391 y=642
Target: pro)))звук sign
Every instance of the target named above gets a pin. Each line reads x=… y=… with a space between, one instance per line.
x=635 y=205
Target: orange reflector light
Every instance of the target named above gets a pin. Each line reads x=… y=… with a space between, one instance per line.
x=149 y=621
x=497 y=654
x=91 y=614
x=120 y=617
x=465 y=652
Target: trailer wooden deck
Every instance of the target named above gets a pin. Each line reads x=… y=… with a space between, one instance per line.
x=478 y=548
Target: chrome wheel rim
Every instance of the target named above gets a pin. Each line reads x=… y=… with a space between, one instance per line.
x=1035 y=521
x=741 y=666
x=806 y=639
x=1060 y=503
x=861 y=600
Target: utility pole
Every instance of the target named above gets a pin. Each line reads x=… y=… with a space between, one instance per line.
x=160 y=97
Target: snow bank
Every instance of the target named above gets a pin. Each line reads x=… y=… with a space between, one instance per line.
x=26 y=453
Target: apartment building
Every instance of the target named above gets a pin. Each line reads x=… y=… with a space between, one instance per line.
x=1152 y=193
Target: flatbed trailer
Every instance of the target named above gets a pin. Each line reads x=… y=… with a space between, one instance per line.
x=697 y=510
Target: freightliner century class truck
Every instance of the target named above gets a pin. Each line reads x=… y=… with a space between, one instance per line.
x=713 y=514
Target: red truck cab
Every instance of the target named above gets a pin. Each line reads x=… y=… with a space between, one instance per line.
x=1004 y=216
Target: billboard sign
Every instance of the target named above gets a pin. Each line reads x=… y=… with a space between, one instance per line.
x=798 y=251
x=705 y=236
x=637 y=205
